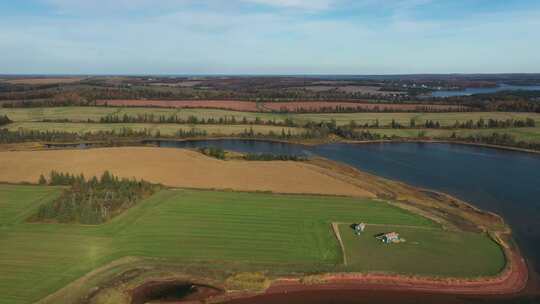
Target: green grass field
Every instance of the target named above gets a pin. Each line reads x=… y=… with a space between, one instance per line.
x=424 y=249
x=95 y=113
x=164 y=129
x=31 y=119
x=524 y=134
x=291 y=233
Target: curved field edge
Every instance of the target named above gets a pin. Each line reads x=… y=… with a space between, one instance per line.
x=160 y=222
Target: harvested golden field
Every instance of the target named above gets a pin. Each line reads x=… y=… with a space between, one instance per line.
x=177 y=168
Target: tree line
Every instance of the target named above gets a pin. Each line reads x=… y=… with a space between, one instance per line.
x=480 y=123
x=91 y=201
x=24 y=135
x=312 y=131
x=273 y=157
x=4 y=120
x=498 y=139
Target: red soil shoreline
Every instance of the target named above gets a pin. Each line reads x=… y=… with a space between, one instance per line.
x=513 y=280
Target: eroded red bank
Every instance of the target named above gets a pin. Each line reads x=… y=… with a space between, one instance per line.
x=511 y=281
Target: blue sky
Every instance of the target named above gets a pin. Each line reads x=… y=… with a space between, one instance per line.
x=269 y=36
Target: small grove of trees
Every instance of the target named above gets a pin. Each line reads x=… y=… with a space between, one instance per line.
x=215 y=152
x=499 y=139
x=4 y=120
x=272 y=157
x=91 y=201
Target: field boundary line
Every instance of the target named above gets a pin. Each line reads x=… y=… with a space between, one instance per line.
x=392 y=225
x=335 y=228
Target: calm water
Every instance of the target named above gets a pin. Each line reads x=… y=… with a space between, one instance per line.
x=472 y=91
x=501 y=181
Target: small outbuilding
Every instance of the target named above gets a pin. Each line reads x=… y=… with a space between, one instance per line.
x=389 y=238
x=359 y=228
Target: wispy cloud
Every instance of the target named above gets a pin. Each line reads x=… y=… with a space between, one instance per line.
x=281 y=36
x=298 y=4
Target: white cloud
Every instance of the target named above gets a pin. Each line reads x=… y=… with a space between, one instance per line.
x=299 y=4
x=190 y=38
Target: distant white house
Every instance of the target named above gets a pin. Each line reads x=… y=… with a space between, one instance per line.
x=389 y=238
x=359 y=228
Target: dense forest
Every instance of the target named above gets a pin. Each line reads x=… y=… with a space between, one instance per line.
x=91 y=201
x=402 y=89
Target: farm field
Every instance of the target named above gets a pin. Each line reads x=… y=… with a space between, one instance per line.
x=422 y=251
x=235 y=105
x=43 y=80
x=176 y=168
x=252 y=106
x=524 y=134
x=317 y=105
x=164 y=129
x=185 y=226
x=95 y=113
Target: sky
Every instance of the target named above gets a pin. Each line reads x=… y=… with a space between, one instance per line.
x=269 y=36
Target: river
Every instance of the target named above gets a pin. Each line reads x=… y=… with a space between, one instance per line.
x=472 y=91
x=502 y=181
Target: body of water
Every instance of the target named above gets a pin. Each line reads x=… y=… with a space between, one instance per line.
x=502 y=181
x=472 y=91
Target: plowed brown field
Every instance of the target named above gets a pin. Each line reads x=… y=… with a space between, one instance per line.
x=251 y=106
x=176 y=168
x=234 y=105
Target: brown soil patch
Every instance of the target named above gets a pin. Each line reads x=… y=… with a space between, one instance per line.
x=295 y=106
x=234 y=105
x=176 y=168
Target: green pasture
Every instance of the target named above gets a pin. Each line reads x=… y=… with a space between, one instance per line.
x=289 y=232
x=523 y=134
x=453 y=254
x=95 y=113
x=164 y=129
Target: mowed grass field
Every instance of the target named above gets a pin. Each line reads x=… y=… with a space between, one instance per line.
x=289 y=232
x=95 y=113
x=32 y=119
x=164 y=129
x=424 y=249
x=524 y=134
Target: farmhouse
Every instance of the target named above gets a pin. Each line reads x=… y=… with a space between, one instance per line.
x=389 y=238
x=359 y=228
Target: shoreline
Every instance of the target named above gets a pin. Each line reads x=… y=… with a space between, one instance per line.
x=511 y=280
x=37 y=145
